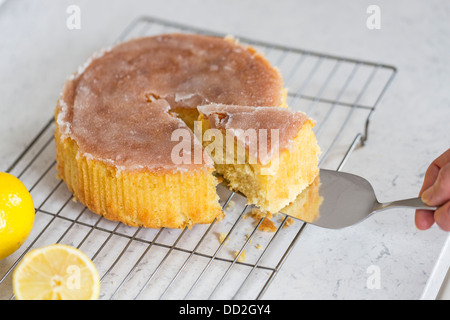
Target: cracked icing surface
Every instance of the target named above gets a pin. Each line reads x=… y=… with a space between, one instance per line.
x=238 y=119
x=118 y=108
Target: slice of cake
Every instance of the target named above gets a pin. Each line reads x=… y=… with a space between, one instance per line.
x=306 y=206
x=270 y=154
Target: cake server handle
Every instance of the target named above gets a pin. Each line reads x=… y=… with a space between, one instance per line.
x=415 y=203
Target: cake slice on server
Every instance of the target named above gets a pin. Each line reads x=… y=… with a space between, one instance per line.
x=270 y=154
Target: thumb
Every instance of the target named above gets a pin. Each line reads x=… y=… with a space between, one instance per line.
x=439 y=192
x=442 y=217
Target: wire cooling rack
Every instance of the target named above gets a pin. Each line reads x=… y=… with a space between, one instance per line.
x=137 y=263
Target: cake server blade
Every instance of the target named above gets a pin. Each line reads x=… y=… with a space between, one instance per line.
x=348 y=199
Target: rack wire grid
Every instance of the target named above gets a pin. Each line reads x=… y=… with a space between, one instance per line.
x=138 y=263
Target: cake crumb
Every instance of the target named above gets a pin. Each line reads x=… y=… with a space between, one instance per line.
x=267 y=226
x=258 y=246
x=230 y=205
x=258 y=214
x=288 y=223
x=222 y=237
x=241 y=257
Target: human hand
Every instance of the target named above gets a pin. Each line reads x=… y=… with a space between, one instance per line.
x=436 y=192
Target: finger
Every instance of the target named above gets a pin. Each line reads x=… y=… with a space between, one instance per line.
x=433 y=170
x=442 y=216
x=430 y=177
x=443 y=159
x=439 y=192
x=424 y=219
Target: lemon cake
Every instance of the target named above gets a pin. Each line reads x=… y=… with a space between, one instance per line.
x=270 y=154
x=117 y=115
x=306 y=206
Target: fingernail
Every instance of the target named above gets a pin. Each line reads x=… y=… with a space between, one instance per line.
x=427 y=195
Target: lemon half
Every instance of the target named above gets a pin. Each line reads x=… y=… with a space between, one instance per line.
x=16 y=214
x=56 y=272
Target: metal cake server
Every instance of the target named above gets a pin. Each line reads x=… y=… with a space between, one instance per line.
x=348 y=199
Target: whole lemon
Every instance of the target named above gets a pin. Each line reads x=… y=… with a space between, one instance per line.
x=16 y=214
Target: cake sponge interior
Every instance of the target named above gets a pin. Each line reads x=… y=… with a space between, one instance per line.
x=274 y=185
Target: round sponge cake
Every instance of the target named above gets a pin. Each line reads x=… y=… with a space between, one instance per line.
x=116 y=118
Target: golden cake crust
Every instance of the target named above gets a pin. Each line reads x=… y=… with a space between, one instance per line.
x=239 y=120
x=139 y=198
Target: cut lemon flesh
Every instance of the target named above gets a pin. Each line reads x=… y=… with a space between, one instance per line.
x=56 y=272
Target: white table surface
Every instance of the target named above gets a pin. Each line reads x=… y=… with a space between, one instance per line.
x=408 y=130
